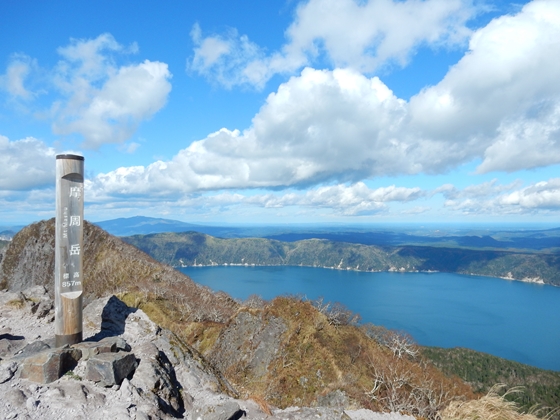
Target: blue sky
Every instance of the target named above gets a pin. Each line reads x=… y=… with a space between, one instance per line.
x=290 y=111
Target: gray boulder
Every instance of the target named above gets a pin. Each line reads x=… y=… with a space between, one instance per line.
x=250 y=342
x=49 y=365
x=229 y=410
x=334 y=399
x=106 y=345
x=110 y=369
x=33 y=348
x=7 y=371
x=156 y=373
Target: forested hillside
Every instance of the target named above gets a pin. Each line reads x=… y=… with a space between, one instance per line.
x=191 y=248
x=482 y=371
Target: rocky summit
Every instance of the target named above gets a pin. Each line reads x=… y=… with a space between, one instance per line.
x=127 y=367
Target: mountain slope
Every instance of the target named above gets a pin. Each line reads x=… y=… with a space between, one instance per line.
x=110 y=266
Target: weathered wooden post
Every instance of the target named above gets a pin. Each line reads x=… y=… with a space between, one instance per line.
x=69 y=240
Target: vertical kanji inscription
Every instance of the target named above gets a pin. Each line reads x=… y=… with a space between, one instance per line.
x=68 y=248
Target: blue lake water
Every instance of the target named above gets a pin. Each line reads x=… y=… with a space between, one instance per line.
x=515 y=320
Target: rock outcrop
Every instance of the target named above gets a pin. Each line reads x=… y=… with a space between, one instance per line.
x=126 y=368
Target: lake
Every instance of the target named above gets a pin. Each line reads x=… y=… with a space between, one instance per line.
x=515 y=320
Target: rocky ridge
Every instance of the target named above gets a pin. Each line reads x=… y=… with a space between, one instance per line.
x=284 y=353
x=167 y=379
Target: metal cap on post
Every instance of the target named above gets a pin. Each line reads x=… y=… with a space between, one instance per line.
x=68 y=275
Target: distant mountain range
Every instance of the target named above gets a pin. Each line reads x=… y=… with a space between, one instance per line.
x=8 y=232
x=497 y=239
x=139 y=225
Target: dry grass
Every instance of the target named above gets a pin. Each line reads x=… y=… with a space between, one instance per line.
x=492 y=406
x=261 y=402
x=16 y=303
x=316 y=357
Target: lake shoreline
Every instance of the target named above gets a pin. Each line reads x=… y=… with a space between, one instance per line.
x=532 y=280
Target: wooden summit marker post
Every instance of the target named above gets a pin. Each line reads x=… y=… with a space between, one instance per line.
x=69 y=241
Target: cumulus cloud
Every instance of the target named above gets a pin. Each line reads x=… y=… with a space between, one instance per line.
x=492 y=198
x=358 y=35
x=26 y=164
x=526 y=141
x=364 y=35
x=106 y=103
x=356 y=199
x=498 y=104
x=500 y=101
x=319 y=127
x=347 y=200
x=541 y=195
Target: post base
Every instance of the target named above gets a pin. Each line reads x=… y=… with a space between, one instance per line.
x=62 y=340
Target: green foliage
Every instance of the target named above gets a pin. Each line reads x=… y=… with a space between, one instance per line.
x=482 y=371
x=72 y=375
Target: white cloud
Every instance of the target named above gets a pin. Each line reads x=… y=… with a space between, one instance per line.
x=365 y=35
x=319 y=127
x=486 y=189
x=129 y=147
x=106 y=103
x=541 y=195
x=16 y=207
x=346 y=200
x=340 y=126
x=16 y=73
x=492 y=198
x=224 y=58
x=25 y=164
x=416 y=210
x=485 y=199
x=528 y=141
x=502 y=100
x=99 y=100
x=84 y=60
x=356 y=199
x=358 y=35
x=500 y=103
